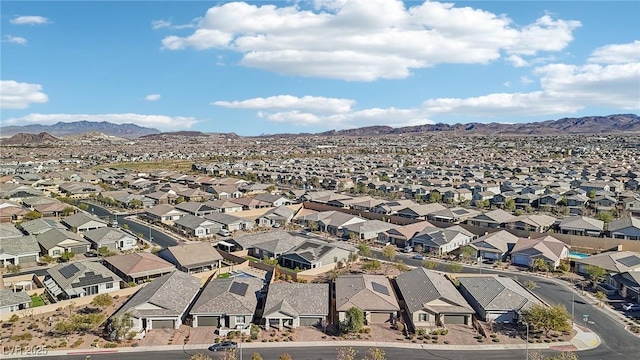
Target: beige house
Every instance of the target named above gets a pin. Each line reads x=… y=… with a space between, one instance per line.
x=373 y=294
x=548 y=248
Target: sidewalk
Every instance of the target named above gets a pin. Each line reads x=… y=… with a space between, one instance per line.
x=584 y=340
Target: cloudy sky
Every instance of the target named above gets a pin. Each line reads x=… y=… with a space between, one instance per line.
x=308 y=66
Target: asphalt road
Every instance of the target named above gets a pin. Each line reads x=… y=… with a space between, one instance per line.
x=158 y=238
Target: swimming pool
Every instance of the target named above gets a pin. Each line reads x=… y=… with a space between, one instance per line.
x=577 y=255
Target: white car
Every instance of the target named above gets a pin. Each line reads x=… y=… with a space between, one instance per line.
x=631 y=307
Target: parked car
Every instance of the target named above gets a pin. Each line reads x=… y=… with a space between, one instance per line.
x=221 y=346
x=90 y=254
x=407 y=249
x=417 y=257
x=631 y=307
x=224 y=232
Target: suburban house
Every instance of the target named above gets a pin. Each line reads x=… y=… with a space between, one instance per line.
x=227 y=304
x=273 y=200
x=161 y=304
x=614 y=262
x=581 y=225
x=38 y=226
x=224 y=206
x=373 y=294
x=312 y=254
x=494 y=246
x=628 y=284
x=197 y=208
x=367 y=230
x=138 y=267
x=452 y=215
x=532 y=223
x=291 y=305
x=164 y=213
x=111 y=238
x=548 y=248
x=442 y=241
x=276 y=217
x=19 y=250
x=431 y=300
x=193 y=257
x=495 y=298
x=56 y=242
x=11 y=301
x=333 y=222
x=421 y=211
x=230 y=222
x=401 y=235
x=196 y=226
x=625 y=228
x=492 y=219
x=78 y=279
x=82 y=222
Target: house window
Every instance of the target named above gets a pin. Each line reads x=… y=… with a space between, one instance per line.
x=109 y=285
x=423 y=317
x=239 y=319
x=56 y=253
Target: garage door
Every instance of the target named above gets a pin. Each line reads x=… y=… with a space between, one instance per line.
x=79 y=249
x=27 y=259
x=208 y=321
x=162 y=324
x=310 y=321
x=521 y=260
x=379 y=318
x=454 y=319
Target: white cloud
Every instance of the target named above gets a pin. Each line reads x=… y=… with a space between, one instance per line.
x=366 y=40
x=166 y=24
x=152 y=97
x=517 y=61
x=155 y=121
x=617 y=53
x=506 y=84
x=30 y=20
x=19 y=95
x=305 y=103
x=524 y=80
x=14 y=39
x=565 y=89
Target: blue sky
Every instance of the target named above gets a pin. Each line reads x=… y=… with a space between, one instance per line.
x=308 y=66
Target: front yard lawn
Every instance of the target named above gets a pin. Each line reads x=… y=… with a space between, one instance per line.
x=36 y=301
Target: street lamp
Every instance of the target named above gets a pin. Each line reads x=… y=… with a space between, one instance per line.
x=573 y=302
x=526 y=344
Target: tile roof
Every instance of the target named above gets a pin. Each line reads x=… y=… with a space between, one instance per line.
x=497 y=241
x=218 y=297
x=139 y=264
x=420 y=286
x=548 y=247
x=170 y=294
x=295 y=299
x=194 y=253
x=358 y=291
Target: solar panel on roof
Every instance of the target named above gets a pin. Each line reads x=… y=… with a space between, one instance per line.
x=69 y=270
x=460 y=212
x=380 y=288
x=239 y=288
x=630 y=261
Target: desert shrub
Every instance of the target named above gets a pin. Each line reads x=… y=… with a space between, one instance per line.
x=110 y=345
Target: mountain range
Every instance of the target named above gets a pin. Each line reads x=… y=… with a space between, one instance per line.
x=80 y=127
x=609 y=124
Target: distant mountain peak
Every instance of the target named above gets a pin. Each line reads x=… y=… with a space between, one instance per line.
x=24 y=138
x=81 y=127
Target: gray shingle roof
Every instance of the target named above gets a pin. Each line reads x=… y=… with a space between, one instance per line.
x=420 y=286
x=19 y=245
x=171 y=293
x=216 y=298
x=80 y=219
x=623 y=223
x=499 y=241
x=38 y=226
x=295 y=299
x=9 y=298
x=105 y=235
x=53 y=237
x=498 y=293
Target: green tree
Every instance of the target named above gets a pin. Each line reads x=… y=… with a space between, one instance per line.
x=595 y=274
x=510 y=204
x=601 y=296
x=121 y=324
x=428 y=264
x=539 y=265
x=591 y=194
x=455 y=268
x=67 y=211
x=467 y=252
x=32 y=215
x=285 y=356
x=83 y=206
x=314 y=226
x=102 y=301
x=47 y=259
x=354 y=320
x=364 y=249
x=554 y=318
x=67 y=256
x=401 y=266
x=125 y=226
x=435 y=197
x=135 y=204
x=375 y=354
x=13 y=269
x=605 y=217
x=346 y=354
x=104 y=251
x=389 y=252
x=372 y=265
